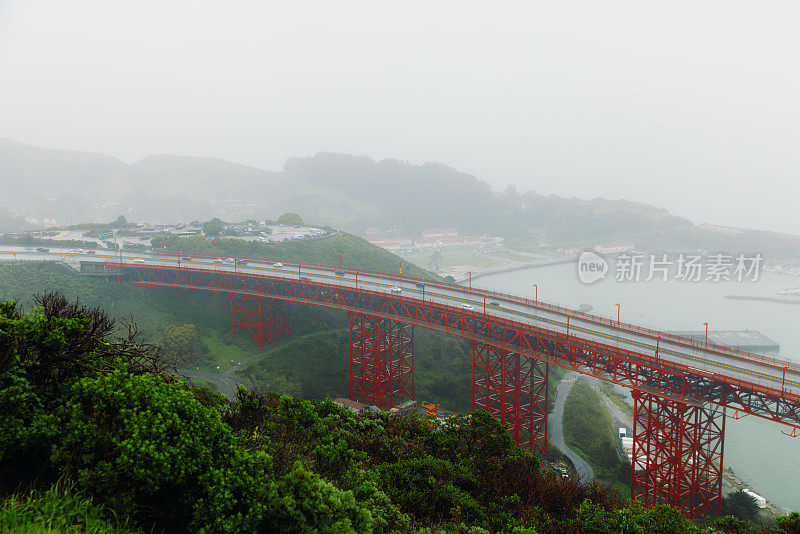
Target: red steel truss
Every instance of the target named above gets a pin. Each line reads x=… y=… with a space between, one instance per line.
x=513 y=388
x=670 y=384
x=677 y=454
x=670 y=380
x=381 y=360
x=264 y=319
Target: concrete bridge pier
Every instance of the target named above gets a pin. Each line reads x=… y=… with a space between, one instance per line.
x=677 y=454
x=381 y=360
x=265 y=319
x=513 y=388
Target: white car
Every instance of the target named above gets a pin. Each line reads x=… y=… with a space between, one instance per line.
x=229 y=261
x=395 y=289
x=139 y=260
x=217 y=261
x=468 y=307
x=277 y=264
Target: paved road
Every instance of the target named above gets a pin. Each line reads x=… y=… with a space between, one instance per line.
x=555 y=428
x=581 y=327
x=225 y=384
x=227 y=380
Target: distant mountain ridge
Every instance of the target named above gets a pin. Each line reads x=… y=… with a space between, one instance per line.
x=350 y=192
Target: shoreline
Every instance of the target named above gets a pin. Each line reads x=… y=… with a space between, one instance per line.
x=503 y=268
x=780 y=300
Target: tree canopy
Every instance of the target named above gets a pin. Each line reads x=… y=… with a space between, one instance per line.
x=290 y=219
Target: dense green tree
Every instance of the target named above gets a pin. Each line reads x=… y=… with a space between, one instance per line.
x=741 y=505
x=213 y=227
x=291 y=219
x=184 y=344
x=121 y=222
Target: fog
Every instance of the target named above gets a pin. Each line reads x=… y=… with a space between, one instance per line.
x=693 y=106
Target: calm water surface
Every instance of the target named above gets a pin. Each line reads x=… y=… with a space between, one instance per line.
x=755 y=448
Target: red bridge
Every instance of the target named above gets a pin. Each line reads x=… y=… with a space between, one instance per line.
x=682 y=389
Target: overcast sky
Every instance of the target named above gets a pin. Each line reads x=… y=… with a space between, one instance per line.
x=693 y=105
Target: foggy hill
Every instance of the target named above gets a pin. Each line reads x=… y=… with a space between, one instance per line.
x=350 y=192
x=41 y=183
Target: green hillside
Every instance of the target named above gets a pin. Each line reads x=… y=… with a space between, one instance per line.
x=349 y=192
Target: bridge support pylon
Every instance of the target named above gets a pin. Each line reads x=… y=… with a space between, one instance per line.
x=381 y=360
x=513 y=388
x=677 y=454
x=265 y=319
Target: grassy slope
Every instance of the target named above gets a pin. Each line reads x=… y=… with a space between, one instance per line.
x=589 y=430
x=57 y=511
x=357 y=253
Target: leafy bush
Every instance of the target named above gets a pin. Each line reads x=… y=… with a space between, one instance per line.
x=149 y=449
x=788 y=524
x=633 y=518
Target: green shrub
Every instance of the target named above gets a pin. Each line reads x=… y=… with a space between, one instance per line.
x=732 y=525
x=433 y=490
x=788 y=524
x=149 y=449
x=631 y=519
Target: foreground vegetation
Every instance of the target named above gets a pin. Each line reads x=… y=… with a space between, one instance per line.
x=96 y=434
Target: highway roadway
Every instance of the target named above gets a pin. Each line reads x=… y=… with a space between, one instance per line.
x=667 y=348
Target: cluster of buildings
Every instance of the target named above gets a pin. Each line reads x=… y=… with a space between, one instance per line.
x=251 y=229
x=606 y=248
x=430 y=238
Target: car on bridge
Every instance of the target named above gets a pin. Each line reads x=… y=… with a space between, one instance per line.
x=138 y=260
x=42 y=249
x=218 y=261
x=395 y=289
x=494 y=303
x=241 y=262
x=420 y=284
x=339 y=273
x=468 y=307
x=279 y=265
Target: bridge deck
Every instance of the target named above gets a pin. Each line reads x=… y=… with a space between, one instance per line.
x=778 y=380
